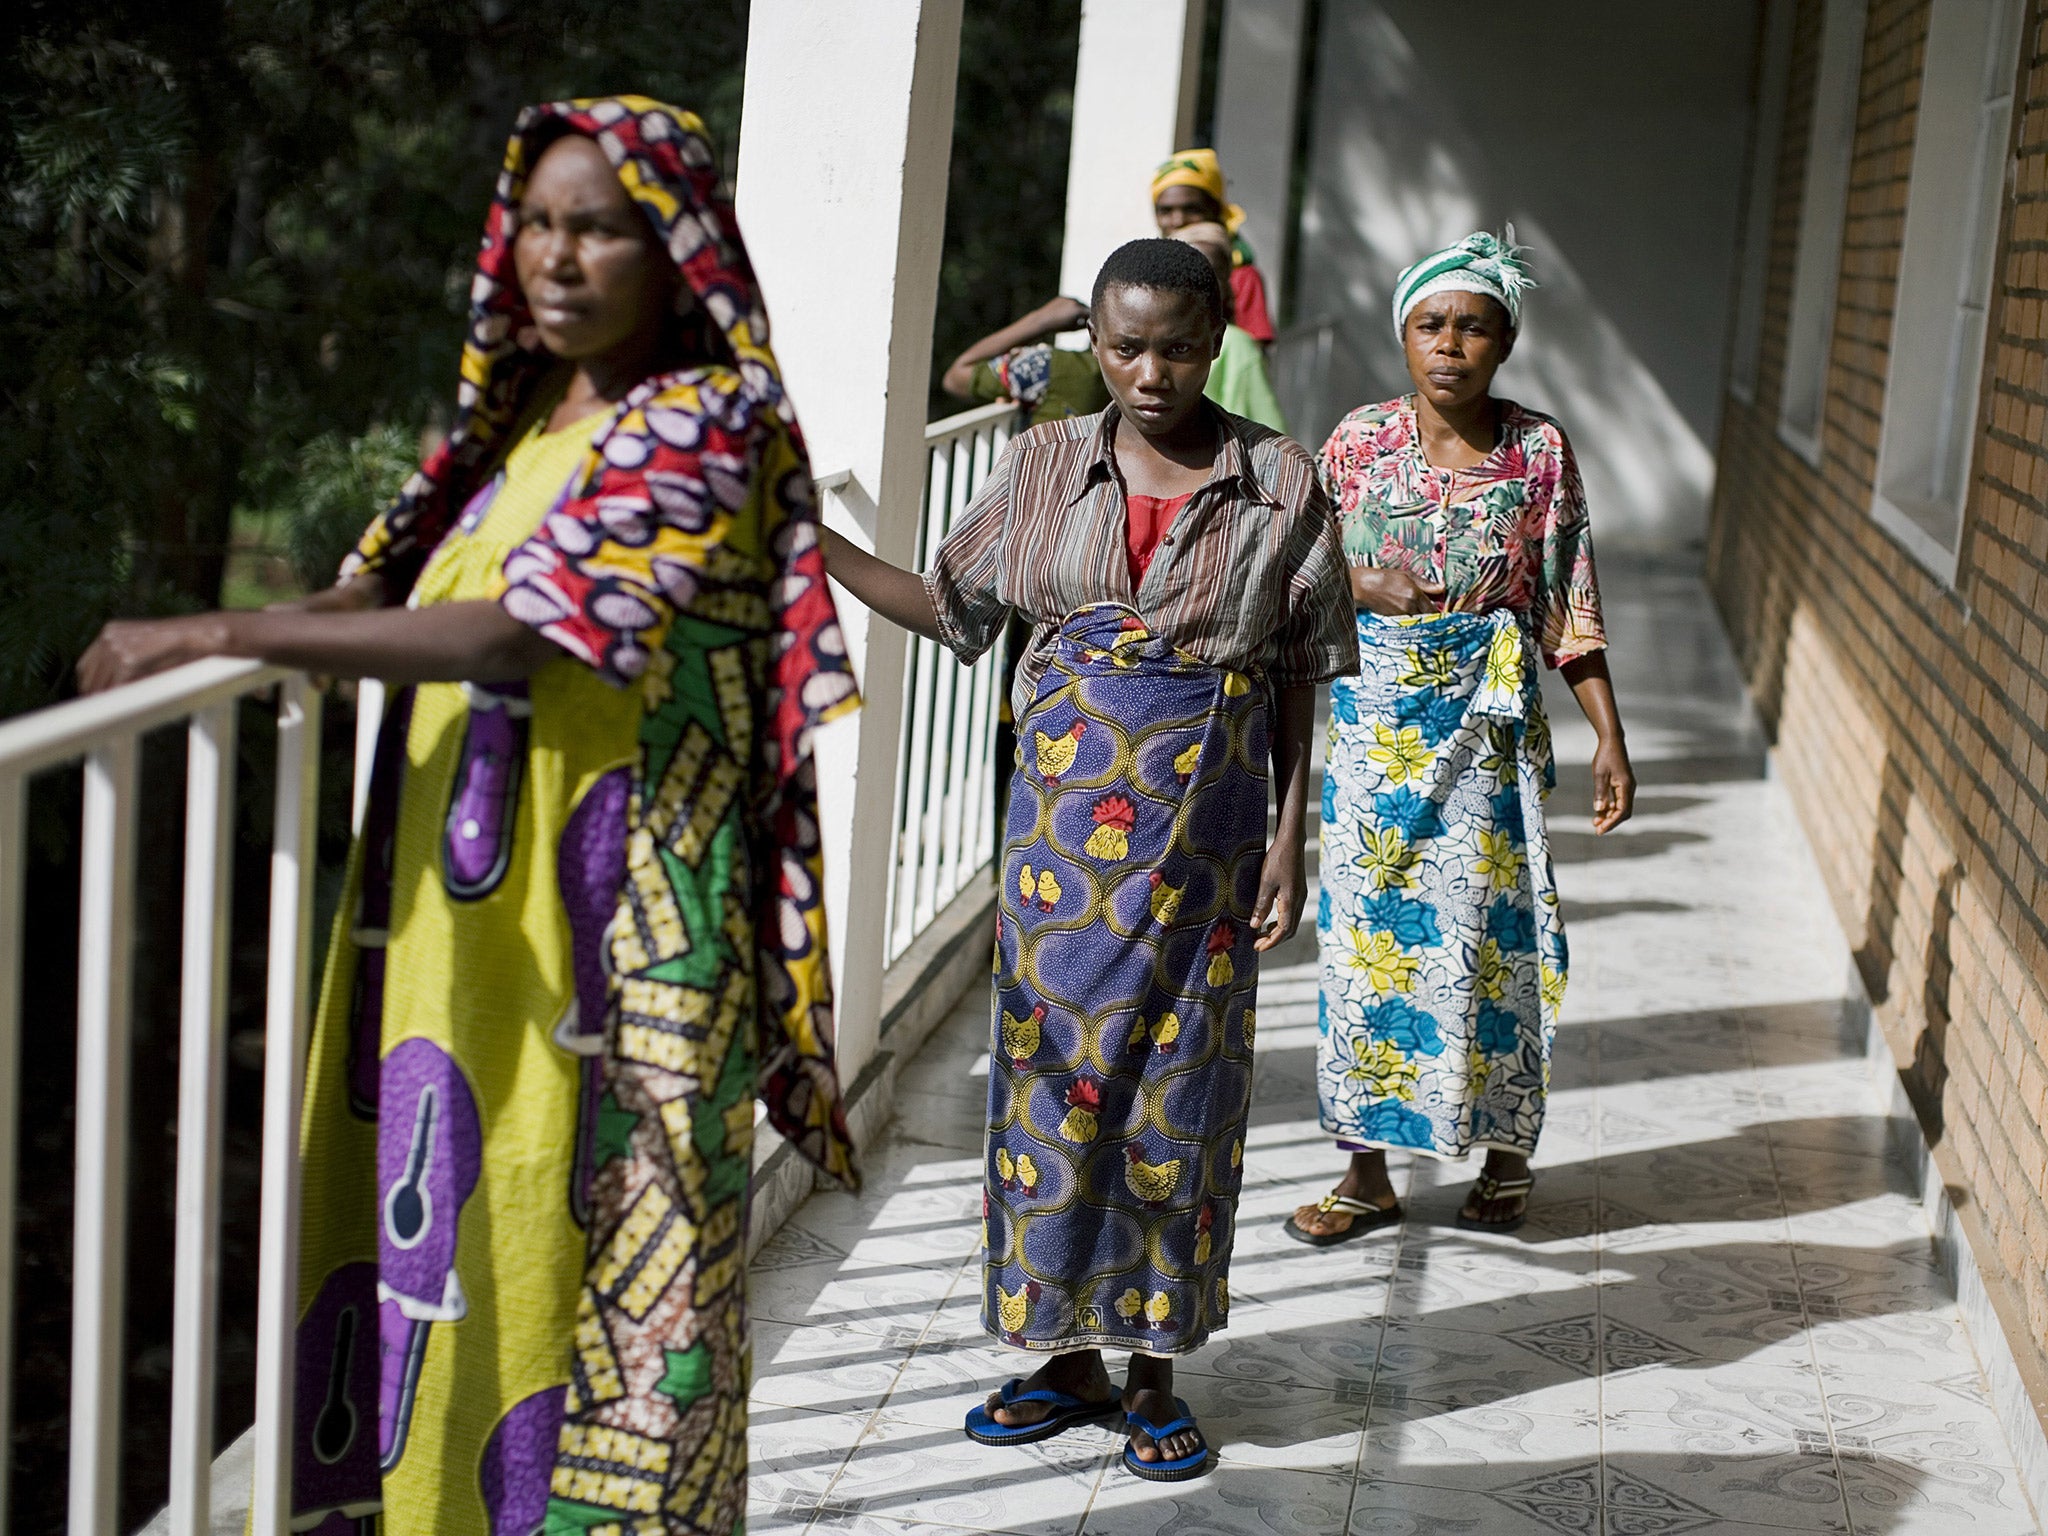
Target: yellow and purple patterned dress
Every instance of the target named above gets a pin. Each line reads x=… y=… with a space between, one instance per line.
x=581 y=930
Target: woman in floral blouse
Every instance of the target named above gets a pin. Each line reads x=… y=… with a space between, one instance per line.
x=1443 y=952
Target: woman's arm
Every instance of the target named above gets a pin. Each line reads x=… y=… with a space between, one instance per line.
x=1283 y=880
x=474 y=642
x=1614 y=781
x=1049 y=319
x=896 y=594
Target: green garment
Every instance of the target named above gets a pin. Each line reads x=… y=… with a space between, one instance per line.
x=1050 y=382
x=1238 y=382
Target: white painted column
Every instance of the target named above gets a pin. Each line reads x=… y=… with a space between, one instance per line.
x=845 y=140
x=1135 y=88
x=1258 y=82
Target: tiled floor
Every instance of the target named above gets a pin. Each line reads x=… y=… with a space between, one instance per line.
x=1722 y=1316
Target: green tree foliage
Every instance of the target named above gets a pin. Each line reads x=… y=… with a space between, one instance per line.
x=335 y=477
x=234 y=251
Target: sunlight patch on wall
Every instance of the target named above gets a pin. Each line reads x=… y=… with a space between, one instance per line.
x=1394 y=173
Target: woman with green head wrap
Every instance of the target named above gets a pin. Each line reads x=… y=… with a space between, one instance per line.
x=1443 y=950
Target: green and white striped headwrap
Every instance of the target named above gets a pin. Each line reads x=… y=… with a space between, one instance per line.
x=1479 y=263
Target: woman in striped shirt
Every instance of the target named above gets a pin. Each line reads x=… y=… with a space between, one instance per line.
x=1181 y=573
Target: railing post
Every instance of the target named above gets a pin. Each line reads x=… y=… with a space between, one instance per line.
x=202 y=1062
x=291 y=918
x=370 y=697
x=13 y=870
x=100 y=1202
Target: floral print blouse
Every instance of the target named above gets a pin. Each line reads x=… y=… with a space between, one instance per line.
x=1510 y=532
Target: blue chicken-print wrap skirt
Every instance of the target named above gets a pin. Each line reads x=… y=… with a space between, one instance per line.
x=1122 y=1060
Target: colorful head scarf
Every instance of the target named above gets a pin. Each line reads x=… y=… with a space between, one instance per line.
x=1479 y=263
x=664 y=160
x=1200 y=169
x=634 y=539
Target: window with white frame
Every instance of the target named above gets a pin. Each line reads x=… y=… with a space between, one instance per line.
x=1837 y=83
x=1754 y=275
x=1939 y=318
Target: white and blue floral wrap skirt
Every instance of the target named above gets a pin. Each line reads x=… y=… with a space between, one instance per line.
x=1443 y=950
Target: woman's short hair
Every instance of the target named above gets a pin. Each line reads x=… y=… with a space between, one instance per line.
x=1171 y=266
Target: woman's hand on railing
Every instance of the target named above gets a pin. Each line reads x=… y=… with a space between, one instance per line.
x=1393 y=592
x=476 y=642
x=129 y=650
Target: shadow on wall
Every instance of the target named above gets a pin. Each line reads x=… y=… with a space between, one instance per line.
x=1614 y=144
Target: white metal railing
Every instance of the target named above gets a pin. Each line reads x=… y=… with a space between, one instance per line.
x=106 y=731
x=945 y=768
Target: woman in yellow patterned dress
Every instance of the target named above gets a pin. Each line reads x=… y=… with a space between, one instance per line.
x=582 y=921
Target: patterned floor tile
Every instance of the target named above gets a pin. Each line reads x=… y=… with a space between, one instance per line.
x=1901 y=1278
x=1875 y=1222
x=1486 y=1447
x=1918 y=1346
x=908 y=1471
x=1426 y=1371
x=1902 y=1498
x=1895 y=1418
x=1454 y=1284
x=1230 y=1501
x=941 y=1380
x=1757 y=1405
x=1387 y=1508
x=1723 y=1302
x=1303 y=1351
x=854 y=1522
x=1655 y=1467
x=841 y=1367
x=795 y=1457
x=1264 y=1424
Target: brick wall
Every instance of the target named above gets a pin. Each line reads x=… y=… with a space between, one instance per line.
x=1911 y=717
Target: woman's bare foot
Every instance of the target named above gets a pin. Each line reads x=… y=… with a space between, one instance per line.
x=1365 y=1179
x=1508 y=1168
x=1149 y=1394
x=1079 y=1374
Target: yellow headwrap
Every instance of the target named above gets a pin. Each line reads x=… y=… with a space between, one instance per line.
x=1199 y=168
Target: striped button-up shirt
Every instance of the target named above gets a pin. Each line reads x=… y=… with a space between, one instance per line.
x=1250 y=575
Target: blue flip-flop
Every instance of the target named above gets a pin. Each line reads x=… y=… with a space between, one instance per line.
x=1179 y=1470
x=1067 y=1411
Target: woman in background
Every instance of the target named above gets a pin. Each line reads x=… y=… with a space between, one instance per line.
x=1021 y=363
x=1238 y=380
x=1443 y=950
x=581 y=924
x=1188 y=189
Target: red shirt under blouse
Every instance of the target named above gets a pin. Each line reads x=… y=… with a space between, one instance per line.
x=1150 y=517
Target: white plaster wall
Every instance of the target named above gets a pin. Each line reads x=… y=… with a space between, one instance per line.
x=1257 y=92
x=1611 y=134
x=1135 y=84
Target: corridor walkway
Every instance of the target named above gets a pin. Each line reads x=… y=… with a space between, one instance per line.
x=1723 y=1314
